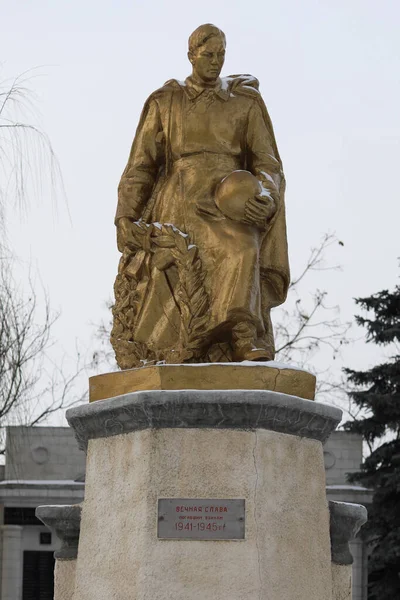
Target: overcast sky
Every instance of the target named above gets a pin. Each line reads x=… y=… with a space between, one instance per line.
x=330 y=76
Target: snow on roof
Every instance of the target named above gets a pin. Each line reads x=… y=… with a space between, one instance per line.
x=354 y=488
x=54 y=482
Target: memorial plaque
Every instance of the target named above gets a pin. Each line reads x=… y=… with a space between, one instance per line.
x=204 y=519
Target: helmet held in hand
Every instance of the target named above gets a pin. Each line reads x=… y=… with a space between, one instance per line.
x=234 y=191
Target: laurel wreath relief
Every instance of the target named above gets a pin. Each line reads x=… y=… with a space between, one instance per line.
x=160 y=246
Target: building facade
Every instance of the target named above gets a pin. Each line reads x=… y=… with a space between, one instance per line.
x=343 y=455
x=45 y=466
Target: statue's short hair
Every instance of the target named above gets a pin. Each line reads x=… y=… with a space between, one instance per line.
x=203 y=33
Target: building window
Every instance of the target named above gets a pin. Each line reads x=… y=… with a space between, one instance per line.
x=45 y=537
x=20 y=515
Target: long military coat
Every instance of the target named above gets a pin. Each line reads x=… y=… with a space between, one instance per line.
x=188 y=139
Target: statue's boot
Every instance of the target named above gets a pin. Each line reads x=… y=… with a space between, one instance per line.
x=244 y=335
x=250 y=352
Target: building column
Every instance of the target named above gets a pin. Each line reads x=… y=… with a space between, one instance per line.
x=365 y=554
x=11 y=569
x=359 y=550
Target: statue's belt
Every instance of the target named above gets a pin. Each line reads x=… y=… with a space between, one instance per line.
x=231 y=160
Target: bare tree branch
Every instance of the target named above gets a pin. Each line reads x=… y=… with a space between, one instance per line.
x=27 y=158
x=32 y=387
x=307 y=327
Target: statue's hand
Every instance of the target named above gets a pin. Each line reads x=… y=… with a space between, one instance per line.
x=260 y=209
x=124 y=229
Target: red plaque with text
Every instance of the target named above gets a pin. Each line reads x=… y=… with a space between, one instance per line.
x=201 y=519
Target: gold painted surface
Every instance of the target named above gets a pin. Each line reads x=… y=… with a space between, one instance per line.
x=201 y=221
x=203 y=377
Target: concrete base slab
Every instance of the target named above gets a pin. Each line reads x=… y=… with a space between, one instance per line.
x=221 y=376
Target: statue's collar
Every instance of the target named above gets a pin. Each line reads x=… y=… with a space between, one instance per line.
x=193 y=88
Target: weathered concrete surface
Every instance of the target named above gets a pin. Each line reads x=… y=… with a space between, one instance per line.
x=66 y=521
x=220 y=409
x=286 y=553
x=346 y=519
x=341 y=582
x=64 y=579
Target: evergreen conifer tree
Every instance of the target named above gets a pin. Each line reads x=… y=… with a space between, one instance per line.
x=377 y=394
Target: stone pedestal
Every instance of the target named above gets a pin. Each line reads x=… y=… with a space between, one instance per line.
x=65 y=520
x=346 y=519
x=259 y=446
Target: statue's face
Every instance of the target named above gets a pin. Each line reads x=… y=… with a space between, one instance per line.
x=208 y=60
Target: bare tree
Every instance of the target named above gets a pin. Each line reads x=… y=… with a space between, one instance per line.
x=32 y=387
x=308 y=327
x=302 y=330
x=27 y=160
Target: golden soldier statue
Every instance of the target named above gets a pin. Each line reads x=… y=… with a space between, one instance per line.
x=201 y=221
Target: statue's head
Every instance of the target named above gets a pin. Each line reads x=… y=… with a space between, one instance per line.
x=207 y=52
